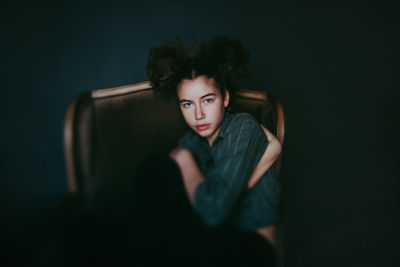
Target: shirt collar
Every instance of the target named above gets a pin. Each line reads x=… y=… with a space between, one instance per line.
x=224 y=125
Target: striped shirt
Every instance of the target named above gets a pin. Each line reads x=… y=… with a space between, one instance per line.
x=227 y=166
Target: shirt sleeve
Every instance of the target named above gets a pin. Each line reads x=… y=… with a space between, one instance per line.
x=185 y=141
x=225 y=181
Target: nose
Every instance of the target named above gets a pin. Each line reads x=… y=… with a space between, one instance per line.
x=199 y=114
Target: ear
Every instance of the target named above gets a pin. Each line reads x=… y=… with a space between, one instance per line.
x=226 y=99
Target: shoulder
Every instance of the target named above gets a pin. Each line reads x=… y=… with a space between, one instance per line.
x=240 y=120
x=242 y=133
x=242 y=126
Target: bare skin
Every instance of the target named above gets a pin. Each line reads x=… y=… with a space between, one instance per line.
x=272 y=152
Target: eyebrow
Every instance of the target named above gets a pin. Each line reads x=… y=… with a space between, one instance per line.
x=204 y=96
x=207 y=95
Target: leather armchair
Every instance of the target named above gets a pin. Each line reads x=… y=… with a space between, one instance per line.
x=109 y=132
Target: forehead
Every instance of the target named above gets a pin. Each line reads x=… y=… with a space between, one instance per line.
x=194 y=89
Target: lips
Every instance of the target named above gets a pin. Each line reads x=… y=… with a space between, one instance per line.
x=202 y=127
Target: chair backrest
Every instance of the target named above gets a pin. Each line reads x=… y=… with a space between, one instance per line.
x=109 y=132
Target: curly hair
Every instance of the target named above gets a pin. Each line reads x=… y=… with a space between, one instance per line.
x=222 y=58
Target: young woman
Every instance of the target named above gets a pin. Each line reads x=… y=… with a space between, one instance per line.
x=224 y=160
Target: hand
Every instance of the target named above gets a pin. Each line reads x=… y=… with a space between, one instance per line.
x=273 y=142
x=179 y=153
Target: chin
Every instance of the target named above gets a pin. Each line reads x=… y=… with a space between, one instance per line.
x=204 y=134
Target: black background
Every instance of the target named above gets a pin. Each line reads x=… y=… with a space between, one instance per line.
x=333 y=64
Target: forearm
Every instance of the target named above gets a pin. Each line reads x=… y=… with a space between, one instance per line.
x=271 y=153
x=213 y=205
x=190 y=171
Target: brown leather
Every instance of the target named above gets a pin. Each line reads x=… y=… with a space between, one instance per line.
x=107 y=137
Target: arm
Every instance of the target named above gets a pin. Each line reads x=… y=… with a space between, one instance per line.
x=190 y=171
x=192 y=174
x=272 y=152
x=215 y=194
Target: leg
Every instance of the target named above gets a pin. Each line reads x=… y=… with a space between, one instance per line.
x=257 y=250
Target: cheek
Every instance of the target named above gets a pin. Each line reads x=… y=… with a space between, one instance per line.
x=186 y=116
x=216 y=112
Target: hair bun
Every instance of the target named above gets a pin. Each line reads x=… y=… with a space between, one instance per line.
x=165 y=65
x=226 y=58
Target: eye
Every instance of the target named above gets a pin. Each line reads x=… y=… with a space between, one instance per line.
x=208 y=100
x=187 y=105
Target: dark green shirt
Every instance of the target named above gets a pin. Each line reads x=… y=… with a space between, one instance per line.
x=227 y=166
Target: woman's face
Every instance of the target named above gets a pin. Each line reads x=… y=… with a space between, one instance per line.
x=202 y=106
